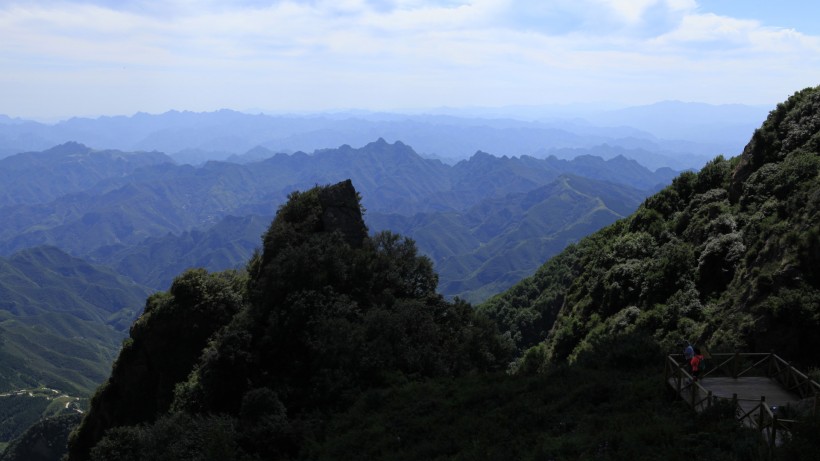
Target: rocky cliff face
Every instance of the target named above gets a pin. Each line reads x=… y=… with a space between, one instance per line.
x=341 y=212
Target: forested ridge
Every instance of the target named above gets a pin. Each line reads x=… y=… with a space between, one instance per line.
x=727 y=257
x=323 y=314
x=333 y=344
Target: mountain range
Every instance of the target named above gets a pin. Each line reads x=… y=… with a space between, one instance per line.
x=106 y=224
x=334 y=344
x=150 y=218
x=694 y=133
x=89 y=234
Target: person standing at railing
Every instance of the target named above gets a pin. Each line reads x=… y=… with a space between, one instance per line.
x=688 y=352
x=695 y=364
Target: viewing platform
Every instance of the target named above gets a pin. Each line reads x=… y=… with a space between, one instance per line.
x=765 y=390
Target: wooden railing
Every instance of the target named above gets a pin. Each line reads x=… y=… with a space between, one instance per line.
x=769 y=365
x=695 y=395
x=773 y=429
x=760 y=416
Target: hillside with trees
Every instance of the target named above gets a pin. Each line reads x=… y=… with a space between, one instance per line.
x=491 y=246
x=727 y=257
x=334 y=344
x=62 y=322
x=324 y=314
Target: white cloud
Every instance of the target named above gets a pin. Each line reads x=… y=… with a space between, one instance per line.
x=713 y=34
x=390 y=53
x=631 y=11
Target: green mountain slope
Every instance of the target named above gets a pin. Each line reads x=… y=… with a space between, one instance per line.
x=726 y=257
x=61 y=320
x=43 y=441
x=150 y=220
x=155 y=261
x=493 y=245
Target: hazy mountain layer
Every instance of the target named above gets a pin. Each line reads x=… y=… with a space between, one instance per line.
x=40 y=177
x=159 y=219
x=198 y=137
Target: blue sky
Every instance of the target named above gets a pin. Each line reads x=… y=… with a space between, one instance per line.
x=97 y=57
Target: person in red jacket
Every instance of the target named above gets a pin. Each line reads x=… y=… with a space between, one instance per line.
x=695 y=364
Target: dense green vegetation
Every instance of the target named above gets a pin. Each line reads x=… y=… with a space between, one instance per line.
x=333 y=344
x=325 y=314
x=17 y=412
x=568 y=413
x=62 y=320
x=336 y=344
x=726 y=257
x=45 y=440
x=20 y=410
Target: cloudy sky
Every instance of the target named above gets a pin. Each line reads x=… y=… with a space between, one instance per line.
x=95 y=57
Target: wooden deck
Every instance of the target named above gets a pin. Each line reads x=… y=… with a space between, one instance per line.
x=749 y=390
x=758 y=385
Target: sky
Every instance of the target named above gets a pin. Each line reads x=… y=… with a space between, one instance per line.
x=100 y=57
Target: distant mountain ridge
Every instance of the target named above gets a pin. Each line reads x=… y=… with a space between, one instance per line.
x=220 y=135
x=40 y=177
x=140 y=199
x=692 y=121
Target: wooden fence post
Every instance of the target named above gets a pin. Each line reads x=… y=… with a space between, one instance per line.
x=769 y=372
x=734 y=404
x=679 y=379
x=708 y=399
x=773 y=434
x=735 y=364
x=694 y=387
x=791 y=377
x=762 y=411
